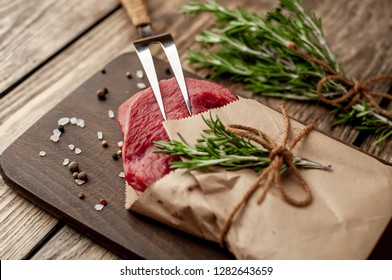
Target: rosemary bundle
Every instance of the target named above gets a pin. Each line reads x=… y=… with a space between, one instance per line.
x=220 y=147
x=285 y=55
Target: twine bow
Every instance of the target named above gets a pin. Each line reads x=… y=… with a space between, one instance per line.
x=279 y=155
x=356 y=90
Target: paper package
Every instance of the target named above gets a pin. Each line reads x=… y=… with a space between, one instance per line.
x=352 y=203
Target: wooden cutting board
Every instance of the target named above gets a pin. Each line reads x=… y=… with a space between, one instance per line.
x=49 y=184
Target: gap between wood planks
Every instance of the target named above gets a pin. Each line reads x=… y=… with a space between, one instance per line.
x=60 y=224
x=59 y=51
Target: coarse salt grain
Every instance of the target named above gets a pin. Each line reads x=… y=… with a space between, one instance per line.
x=111 y=114
x=141 y=85
x=120 y=144
x=122 y=175
x=66 y=162
x=56 y=132
x=100 y=135
x=79 y=182
x=71 y=147
x=42 y=153
x=55 y=138
x=80 y=123
x=63 y=121
x=78 y=151
x=73 y=120
x=99 y=207
x=139 y=74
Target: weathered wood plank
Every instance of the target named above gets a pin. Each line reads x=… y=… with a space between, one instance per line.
x=69 y=244
x=32 y=100
x=20 y=222
x=31 y=31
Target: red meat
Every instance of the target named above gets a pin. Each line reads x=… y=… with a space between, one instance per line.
x=141 y=122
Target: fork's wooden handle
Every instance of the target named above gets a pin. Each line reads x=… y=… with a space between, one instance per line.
x=137 y=11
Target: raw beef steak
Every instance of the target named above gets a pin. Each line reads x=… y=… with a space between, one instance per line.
x=141 y=122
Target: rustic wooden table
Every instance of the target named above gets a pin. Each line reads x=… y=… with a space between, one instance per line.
x=48 y=48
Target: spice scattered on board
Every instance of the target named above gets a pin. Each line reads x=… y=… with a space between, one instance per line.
x=141 y=85
x=139 y=74
x=63 y=121
x=79 y=182
x=73 y=166
x=82 y=176
x=101 y=204
x=100 y=135
x=65 y=161
x=111 y=114
x=42 y=153
x=101 y=93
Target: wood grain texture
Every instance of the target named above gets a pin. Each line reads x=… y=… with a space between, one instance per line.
x=31 y=31
x=33 y=98
x=69 y=244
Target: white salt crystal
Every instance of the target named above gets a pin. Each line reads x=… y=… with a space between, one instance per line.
x=141 y=85
x=71 y=147
x=99 y=207
x=55 y=138
x=78 y=151
x=111 y=114
x=73 y=120
x=80 y=123
x=42 y=153
x=80 y=182
x=66 y=161
x=100 y=135
x=122 y=175
x=56 y=132
x=63 y=121
x=139 y=74
x=120 y=143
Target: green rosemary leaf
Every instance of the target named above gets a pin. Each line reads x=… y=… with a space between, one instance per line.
x=219 y=147
x=253 y=49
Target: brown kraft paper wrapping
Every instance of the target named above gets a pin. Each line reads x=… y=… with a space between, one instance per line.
x=352 y=204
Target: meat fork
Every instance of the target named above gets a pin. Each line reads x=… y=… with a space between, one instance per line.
x=139 y=16
x=142 y=47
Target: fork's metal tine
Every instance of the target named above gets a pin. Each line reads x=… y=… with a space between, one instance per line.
x=145 y=57
x=174 y=60
x=142 y=47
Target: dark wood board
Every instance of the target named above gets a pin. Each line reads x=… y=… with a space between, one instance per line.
x=49 y=184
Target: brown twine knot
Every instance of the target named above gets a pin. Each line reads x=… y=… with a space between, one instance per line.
x=279 y=155
x=356 y=90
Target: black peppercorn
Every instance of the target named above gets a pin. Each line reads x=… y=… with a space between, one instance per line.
x=61 y=128
x=105 y=144
x=129 y=75
x=101 y=94
x=115 y=156
x=73 y=166
x=82 y=175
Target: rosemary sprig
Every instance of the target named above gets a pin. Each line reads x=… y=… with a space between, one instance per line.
x=254 y=50
x=217 y=147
